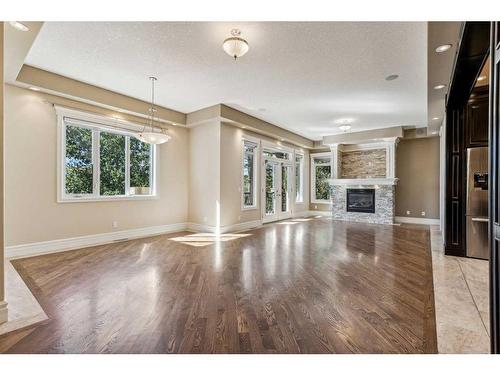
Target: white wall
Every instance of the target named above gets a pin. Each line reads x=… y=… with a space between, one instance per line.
x=32 y=213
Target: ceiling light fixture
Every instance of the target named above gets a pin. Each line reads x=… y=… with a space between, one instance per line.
x=481 y=78
x=392 y=77
x=235 y=46
x=152 y=137
x=19 y=26
x=443 y=48
x=345 y=127
x=439 y=87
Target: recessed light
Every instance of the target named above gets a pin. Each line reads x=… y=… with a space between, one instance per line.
x=32 y=88
x=345 y=128
x=439 y=87
x=19 y=26
x=443 y=48
x=392 y=77
x=435 y=118
x=481 y=78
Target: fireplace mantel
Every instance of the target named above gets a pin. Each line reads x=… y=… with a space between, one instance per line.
x=363 y=181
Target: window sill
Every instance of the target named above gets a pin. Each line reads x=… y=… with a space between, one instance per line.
x=108 y=199
x=321 y=202
x=249 y=208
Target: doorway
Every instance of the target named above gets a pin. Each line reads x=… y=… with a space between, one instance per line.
x=277 y=186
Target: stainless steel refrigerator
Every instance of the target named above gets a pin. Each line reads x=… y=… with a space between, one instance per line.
x=477 y=203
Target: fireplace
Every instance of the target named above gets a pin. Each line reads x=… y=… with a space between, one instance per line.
x=361 y=200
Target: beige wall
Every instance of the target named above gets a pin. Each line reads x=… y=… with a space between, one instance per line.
x=31 y=211
x=231 y=163
x=204 y=172
x=417 y=167
x=2 y=283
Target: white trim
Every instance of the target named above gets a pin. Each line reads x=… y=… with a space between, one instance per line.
x=318 y=213
x=96 y=123
x=256 y=163
x=74 y=243
x=313 y=176
x=415 y=220
x=239 y=227
x=4 y=311
x=301 y=174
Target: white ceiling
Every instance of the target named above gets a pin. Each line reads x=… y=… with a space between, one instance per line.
x=301 y=76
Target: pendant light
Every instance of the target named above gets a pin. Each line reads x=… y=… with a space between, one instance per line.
x=235 y=46
x=152 y=136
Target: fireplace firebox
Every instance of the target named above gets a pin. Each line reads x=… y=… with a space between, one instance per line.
x=361 y=200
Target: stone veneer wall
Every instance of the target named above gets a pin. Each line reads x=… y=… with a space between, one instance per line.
x=363 y=164
x=384 y=205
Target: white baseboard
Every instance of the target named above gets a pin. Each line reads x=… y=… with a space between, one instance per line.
x=416 y=220
x=196 y=227
x=239 y=227
x=54 y=246
x=319 y=213
x=4 y=313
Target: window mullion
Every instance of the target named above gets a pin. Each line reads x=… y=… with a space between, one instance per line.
x=127 y=166
x=96 y=155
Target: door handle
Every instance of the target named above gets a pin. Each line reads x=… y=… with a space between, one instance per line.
x=480 y=219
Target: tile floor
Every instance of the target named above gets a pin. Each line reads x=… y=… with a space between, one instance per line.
x=24 y=309
x=461 y=296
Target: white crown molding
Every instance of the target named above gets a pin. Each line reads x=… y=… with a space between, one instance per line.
x=55 y=246
x=416 y=220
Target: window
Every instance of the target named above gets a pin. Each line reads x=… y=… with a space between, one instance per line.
x=99 y=162
x=249 y=174
x=299 y=178
x=320 y=175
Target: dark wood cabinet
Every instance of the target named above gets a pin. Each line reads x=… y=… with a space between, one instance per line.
x=477 y=118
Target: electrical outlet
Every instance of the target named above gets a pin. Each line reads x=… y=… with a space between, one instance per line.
x=423 y=213
x=114 y=224
x=408 y=212
x=315 y=207
x=239 y=218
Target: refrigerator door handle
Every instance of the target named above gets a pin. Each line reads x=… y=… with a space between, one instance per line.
x=481 y=219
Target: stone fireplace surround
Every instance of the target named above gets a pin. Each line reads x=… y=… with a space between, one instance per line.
x=363 y=164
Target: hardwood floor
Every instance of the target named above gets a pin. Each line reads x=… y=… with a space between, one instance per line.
x=300 y=286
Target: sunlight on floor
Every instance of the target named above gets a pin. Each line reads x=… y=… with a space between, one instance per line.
x=205 y=239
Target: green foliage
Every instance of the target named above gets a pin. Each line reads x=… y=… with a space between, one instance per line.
x=270 y=193
x=79 y=168
x=140 y=166
x=112 y=164
x=323 y=173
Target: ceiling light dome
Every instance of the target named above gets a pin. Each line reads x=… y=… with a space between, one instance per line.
x=443 y=48
x=19 y=26
x=235 y=46
x=152 y=136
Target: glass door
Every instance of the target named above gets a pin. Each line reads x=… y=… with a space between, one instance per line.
x=277 y=190
x=285 y=191
x=271 y=190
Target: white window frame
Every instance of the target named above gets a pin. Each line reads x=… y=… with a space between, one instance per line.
x=313 y=176
x=256 y=157
x=98 y=123
x=301 y=174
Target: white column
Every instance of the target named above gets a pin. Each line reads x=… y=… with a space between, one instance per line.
x=3 y=303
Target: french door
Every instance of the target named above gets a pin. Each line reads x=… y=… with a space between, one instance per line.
x=494 y=190
x=277 y=190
